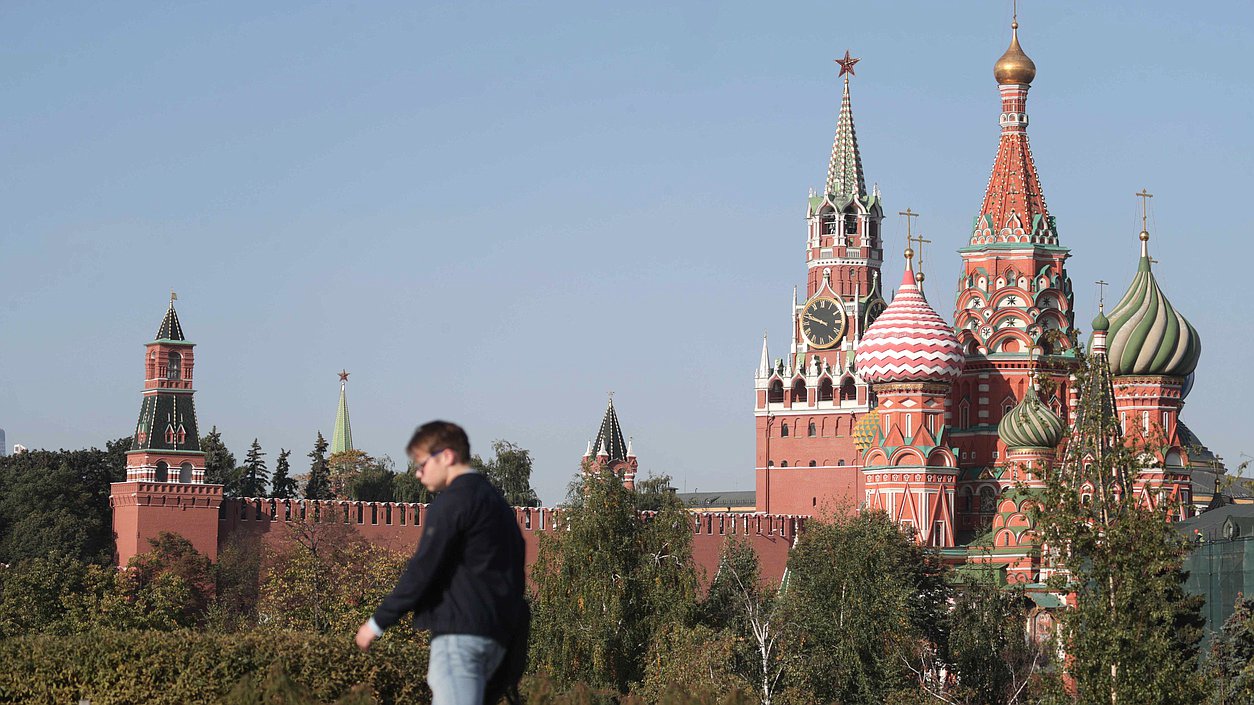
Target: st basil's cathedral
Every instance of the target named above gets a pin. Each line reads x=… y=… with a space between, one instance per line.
x=886 y=406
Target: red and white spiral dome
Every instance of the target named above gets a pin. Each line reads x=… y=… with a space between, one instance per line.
x=909 y=342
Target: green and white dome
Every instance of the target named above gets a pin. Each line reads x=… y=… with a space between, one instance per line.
x=1031 y=424
x=1147 y=335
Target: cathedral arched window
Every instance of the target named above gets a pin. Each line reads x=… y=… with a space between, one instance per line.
x=814 y=431
x=847 y=390
x=776 y=392
x=799 y=391
x=825 y=389
x=174 y=366
x=185 y=473
x=783 y=430
x=163 y=471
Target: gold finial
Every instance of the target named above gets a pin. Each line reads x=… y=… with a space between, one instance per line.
x=910 y=215
x=1145 y=196
x=1014 y=66
x=173 y=297
x=846 y=65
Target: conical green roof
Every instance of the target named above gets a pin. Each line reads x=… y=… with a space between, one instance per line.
x=1147 y=335
x=1031 y=424
x=342 y=439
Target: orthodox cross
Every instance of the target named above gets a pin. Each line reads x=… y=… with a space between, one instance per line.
x=1145 y=196
x=919 y=239
x=1101 y=294
x=846 y=65
x=909 y=215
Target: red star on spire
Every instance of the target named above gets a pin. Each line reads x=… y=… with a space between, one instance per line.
x=344 y=375
x=846 y=64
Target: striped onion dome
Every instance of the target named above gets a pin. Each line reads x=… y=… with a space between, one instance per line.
x=1031 y=424
x=864 y=431
x=1147 y=335
x=909 y=342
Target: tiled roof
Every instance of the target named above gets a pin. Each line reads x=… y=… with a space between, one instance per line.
x=909 y=342
x=170 y=328
x=610 y=436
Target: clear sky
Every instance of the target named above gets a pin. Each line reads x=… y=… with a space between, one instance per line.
x=497 y=212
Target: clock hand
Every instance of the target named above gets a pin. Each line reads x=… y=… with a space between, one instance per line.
x=816 y=320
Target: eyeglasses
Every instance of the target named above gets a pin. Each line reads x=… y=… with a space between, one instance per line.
x=419 y=466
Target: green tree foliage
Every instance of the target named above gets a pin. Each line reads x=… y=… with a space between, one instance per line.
x=1231 y=665
x=326 y=580
x=1133 y=635
x=862 y=600
x=279 y=688
x=283 y=485
x=993 y=660
x=407 y=488
x=690 y=659
x=610 y=584
x=219 y=461
x=654 y=492
x=56 y=503
x=509 y=471
x=254 y=476
x=187 y=666
x=318 y=482
x=177 y=571
x=345 y=468
x=237 y=576
x=374 y=481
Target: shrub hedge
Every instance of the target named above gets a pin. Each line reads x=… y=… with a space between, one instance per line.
x=197 y=667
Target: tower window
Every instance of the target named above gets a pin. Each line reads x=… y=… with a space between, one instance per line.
x=813 y=430
x=813 y=463
x=185 y=473
x=770 y=463
x=776 y=392
x=847 y=391
x=825 y=389
x=163 y=471
x=783 y=463
x=799 y=391
x=174 y=366
x=783 y=430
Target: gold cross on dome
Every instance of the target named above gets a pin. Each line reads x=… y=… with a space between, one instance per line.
x=909 y=216
x=1145 y=196
x=919 y=239
x=846 y=65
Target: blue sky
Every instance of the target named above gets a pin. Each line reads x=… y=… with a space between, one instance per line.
x=496 y=213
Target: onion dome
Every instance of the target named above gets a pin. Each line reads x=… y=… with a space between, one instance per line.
x=864 y=431
x=1101 y=323
x=1014 y=66
x=1147 y=335
x=1031 y=424
x=909 y=342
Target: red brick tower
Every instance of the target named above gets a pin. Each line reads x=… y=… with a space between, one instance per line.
x=910 y=356
x=610 y=451
x=807 y=403
x=1015 y=299
x=165 y=468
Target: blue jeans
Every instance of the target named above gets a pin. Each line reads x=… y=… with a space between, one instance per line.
x=460 y=667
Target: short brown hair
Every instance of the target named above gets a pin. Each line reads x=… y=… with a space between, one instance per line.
x=435 y=436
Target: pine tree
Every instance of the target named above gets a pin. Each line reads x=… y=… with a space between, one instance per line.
x=1231 y=665
x=255 y=475
x=318 y=486
x=219 y=462
x=282 y=486
x=1133 y=634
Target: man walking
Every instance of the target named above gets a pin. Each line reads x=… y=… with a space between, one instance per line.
x=465 y=581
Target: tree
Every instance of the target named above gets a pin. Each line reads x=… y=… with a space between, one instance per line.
x=862 y=600
x=1231 y=665
x=407 y=488
x=993 y=660
x=509 y=471
x=747 y=610
x=374 y=483
x=654 y=492
x=173 y=579
x=318 y=484
x=344 y=468
x=219 y=461
x=253 y=476
x=56 y=503
x=282 y=486
x=609 y=584
x=1133 y=633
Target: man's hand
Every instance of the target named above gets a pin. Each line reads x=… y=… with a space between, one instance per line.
x=365 y=637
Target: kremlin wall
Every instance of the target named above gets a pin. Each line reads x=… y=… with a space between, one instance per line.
x=879 y=402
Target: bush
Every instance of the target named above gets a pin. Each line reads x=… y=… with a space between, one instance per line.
x=195 y=667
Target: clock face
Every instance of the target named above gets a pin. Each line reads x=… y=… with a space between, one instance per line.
x=823 y=322
x=873 y=311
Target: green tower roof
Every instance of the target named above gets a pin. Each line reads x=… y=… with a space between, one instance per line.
x=1147 y=335
x=1031 y=424
x=342 y=439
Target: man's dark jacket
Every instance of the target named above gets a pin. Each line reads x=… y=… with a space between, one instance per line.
x=467 y=575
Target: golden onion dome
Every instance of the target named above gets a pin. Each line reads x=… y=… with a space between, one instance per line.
x=1014 y=66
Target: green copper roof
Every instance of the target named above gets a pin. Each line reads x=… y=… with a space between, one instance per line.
x=342 y=440
x=1147 y=335
x=844 y=172
x=1101 y=323
x=1031 y=424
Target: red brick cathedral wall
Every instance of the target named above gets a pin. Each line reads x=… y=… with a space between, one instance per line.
x=399 y=527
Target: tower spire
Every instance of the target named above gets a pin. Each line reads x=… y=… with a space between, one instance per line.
x=764 y=363
x=342 y=439
x=844 y=171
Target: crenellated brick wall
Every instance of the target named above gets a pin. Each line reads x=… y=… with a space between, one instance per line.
x=398 y=526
